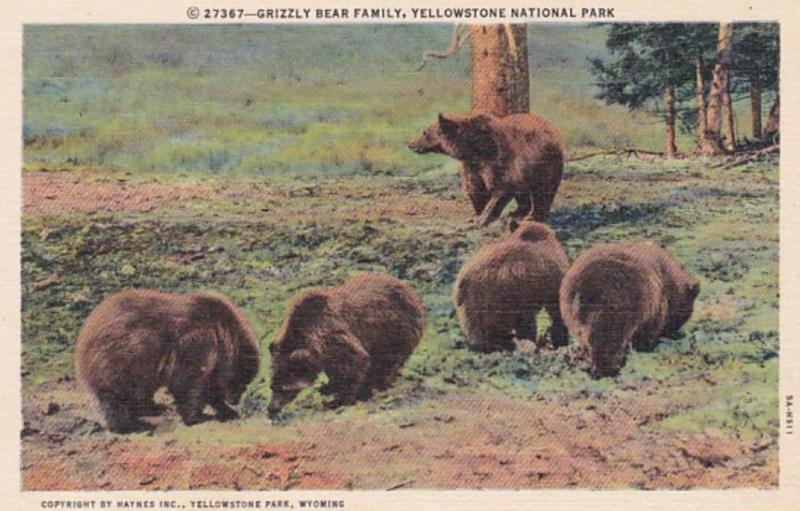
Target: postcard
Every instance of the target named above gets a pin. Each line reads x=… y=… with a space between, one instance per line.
x=408 y=256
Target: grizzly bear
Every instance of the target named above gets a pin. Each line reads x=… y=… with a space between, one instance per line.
x=520 y=156
x=618 y=297
x=359 y=334
x=500 y=290
x=199 y=346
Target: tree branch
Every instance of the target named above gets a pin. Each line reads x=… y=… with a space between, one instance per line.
x=459 y=35
x=622 y=152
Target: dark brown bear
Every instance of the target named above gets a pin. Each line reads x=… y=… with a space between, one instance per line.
x=198 y=346
x=501 y=289
x=360 y=334
x=618 y=297
x=520 y=156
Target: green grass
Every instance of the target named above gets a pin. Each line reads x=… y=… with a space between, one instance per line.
x=722 y=225
x=270 y=100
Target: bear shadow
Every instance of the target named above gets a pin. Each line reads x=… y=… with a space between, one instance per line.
x=577 y=222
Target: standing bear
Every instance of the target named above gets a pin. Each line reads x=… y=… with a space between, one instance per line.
x=359 y=334
x=199 y=346
x=520 y=156
x=500 y=290
x=618 y=297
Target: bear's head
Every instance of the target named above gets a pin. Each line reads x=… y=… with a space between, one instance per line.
x=460 y=137
x=295 y=356
x=529 y=230
x=682 y=306
x=608 y=353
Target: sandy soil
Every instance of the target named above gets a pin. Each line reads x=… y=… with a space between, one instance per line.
x=452 y=441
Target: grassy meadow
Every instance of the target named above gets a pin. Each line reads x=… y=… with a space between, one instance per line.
x=256 y=100
x=238 y=160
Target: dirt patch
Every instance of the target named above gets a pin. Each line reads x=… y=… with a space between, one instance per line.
x=351 y=198
x=50 y=192
x=456 y=441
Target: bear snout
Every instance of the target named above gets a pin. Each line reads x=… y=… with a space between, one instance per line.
x=416 y=146
x=280 y=397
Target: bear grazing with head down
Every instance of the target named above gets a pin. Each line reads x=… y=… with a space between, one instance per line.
x=618 y=297
x=519 y=156
x=359 y=334
x=500 y=290
x=134 y=342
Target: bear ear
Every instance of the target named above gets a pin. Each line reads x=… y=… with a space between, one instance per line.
x=447 y=125
x=308 y=309
x=482 y=120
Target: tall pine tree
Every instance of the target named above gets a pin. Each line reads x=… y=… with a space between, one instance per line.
x=649 y=67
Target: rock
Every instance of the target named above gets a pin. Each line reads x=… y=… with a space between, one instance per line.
x=27 y=430
x=45 y=283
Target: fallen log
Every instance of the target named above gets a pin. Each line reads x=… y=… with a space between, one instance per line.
x=748 y=157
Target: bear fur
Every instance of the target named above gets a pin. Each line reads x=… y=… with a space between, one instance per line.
x=519 y=156
x=618 y=297
x=502 y=288
x=199 y=346
x=359 y=334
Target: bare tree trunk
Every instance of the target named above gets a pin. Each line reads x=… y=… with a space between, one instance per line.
x=730 y=123
x=712 y=143
x=755 y=105
x=773 y=121
x=500 y=82
x=700 y=84
x=669 y=118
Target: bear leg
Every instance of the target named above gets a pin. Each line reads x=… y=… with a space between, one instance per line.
x=224 y=411
x=557 y=333
x=120 y=415
x=190 y=405
x=526 y=329
x=382 y=378
x=493 y=208
x=523 y=207
x=347 y=366
x=474 y=188
x=542 y=202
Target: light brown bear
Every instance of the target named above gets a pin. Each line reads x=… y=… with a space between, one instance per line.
x=618 y=297
x=199 y=346
x=502 y=288
x=519 y=156
x=359 y=334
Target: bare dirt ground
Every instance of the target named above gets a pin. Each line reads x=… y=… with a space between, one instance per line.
x=69 y=192
x=455 y=441
x=76 y=192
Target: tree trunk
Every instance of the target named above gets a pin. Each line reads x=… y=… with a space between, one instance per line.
x=669 y=117
x=730 y=123
x=712 y=143
x=700 y=93
x=755 y=105
x=773 y=121
x=500 y=83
